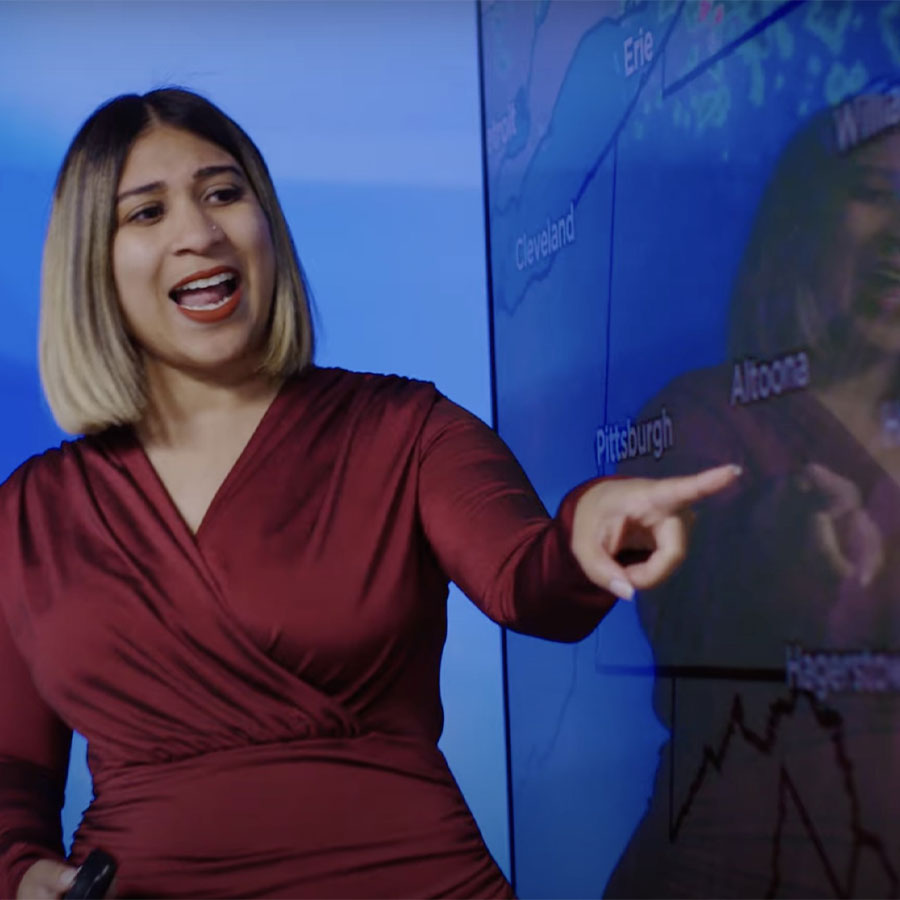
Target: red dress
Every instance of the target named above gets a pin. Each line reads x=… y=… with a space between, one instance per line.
x=261 y=699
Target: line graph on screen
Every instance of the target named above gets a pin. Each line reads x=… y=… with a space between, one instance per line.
x=737 y=729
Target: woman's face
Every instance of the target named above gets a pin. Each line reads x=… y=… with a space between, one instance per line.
x=863 y=272
x=192 y=256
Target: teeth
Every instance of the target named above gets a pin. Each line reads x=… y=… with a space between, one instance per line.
x=215 y=305
x=206 y=282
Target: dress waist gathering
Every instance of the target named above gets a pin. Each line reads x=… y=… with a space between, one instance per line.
x=368 y=816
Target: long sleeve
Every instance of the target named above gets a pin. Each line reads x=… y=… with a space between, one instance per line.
x=493 y=537
x=34 y=752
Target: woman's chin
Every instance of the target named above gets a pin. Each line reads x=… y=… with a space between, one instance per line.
x=881 y=333
x=221 y=368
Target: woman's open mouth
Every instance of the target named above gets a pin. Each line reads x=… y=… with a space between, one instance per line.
x=208 y=296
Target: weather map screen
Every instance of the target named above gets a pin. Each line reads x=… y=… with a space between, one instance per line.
x=695 y=259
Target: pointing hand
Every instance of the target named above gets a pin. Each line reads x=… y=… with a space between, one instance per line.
x=646 y=517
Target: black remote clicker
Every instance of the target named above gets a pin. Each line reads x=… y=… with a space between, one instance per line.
x=94 y=876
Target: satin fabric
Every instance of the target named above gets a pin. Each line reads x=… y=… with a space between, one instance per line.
x=261 y=698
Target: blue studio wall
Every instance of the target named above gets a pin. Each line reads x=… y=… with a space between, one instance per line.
x=368 y=116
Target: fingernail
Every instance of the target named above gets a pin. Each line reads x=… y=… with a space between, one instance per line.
x=738 y=470
x=621 y=589
x=67 y=879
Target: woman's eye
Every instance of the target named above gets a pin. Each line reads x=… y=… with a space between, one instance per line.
x=149 y=213
x=871 y=194
x=875 y=192
x=221 y=195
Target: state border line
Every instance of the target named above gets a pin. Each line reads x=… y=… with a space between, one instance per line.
x=539 y=276
x=731 y=46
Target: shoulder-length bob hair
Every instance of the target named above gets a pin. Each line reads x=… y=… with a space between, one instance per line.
x=91 y=371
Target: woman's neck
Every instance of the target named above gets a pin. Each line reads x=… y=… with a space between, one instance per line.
x=865 y=404
x=865 y=389
x=186 y=409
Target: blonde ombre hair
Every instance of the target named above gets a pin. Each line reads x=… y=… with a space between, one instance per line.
x=91 y=370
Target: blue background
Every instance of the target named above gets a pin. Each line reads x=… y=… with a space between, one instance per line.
x=368 y=116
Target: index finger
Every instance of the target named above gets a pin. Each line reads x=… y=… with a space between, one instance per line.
x=672 y=494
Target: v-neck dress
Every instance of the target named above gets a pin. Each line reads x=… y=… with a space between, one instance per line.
x=261 y=699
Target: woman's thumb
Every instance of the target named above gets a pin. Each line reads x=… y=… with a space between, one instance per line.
x=65 y=877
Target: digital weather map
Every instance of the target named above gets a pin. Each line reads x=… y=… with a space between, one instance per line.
x=695 y=259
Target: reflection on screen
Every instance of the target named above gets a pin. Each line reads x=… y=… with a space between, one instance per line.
x=695 y=233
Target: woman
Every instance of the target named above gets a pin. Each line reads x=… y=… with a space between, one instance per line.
x=782 y=766
x=234 y=584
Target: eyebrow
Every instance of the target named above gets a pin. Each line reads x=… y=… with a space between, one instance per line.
x=199 y=175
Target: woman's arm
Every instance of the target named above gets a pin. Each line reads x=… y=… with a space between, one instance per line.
x=34 y=756
x=493 y=537
x=553 y=578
